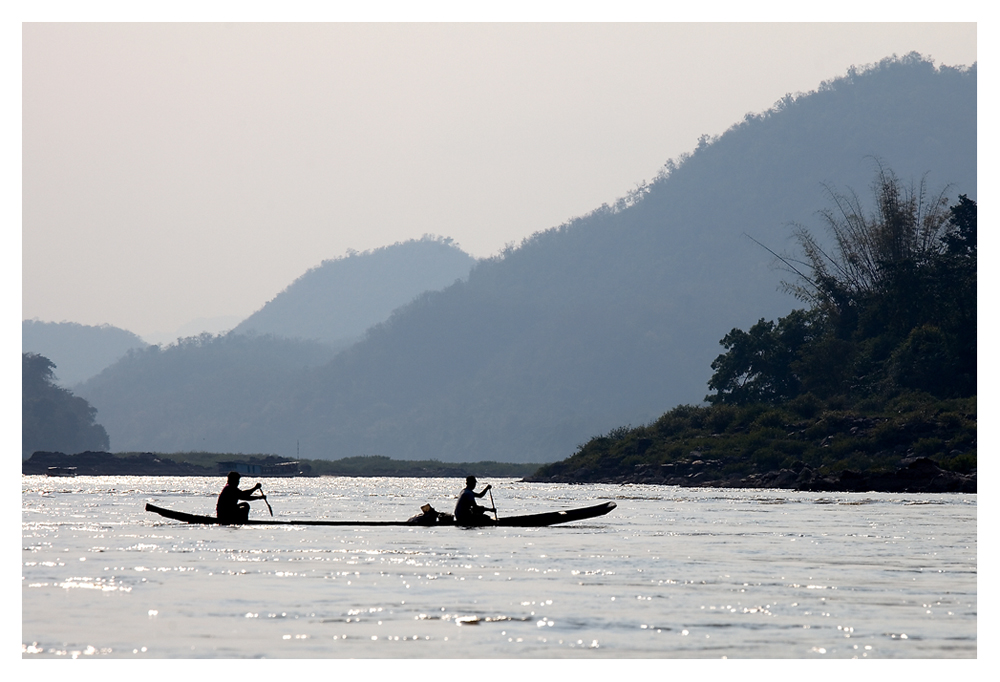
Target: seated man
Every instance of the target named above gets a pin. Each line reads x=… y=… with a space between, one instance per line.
x=467 y=512
x=229 y=509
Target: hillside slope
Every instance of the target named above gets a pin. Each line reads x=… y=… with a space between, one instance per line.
x=338 y=300
x=203 y=390
x=614 y=317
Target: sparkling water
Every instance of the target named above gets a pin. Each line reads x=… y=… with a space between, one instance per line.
x=671 y=573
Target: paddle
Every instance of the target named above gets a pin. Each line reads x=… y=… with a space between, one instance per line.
x=496 y=517
x=264 y=497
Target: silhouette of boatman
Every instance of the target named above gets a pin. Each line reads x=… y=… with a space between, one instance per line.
x=467 y=512
x=229 y=509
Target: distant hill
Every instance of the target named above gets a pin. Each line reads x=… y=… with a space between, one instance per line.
x=610 y=319
x=341 y=298
x=78 y=351
x=192 y=391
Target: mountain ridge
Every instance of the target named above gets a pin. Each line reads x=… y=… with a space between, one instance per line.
x=615 y=316
x=79 y=351
x=336 y=301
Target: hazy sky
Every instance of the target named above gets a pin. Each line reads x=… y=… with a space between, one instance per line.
x=182 y=171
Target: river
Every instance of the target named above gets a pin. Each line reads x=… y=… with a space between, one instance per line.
x=670 y=573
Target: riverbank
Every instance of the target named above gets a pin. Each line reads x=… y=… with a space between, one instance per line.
x=257 y=466
x=107 y=464
x=914 y=443
x=915 y=475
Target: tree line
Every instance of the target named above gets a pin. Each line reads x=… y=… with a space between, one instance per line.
x=892 y=307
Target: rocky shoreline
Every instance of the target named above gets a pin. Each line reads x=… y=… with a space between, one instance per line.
x=914 y=475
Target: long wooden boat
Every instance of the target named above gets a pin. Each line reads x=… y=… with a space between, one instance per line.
x=528 y=520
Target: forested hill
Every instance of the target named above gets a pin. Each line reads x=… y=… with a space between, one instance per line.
x=202 y=389
x=614 y=317
x=52 y=418
x=338 y=300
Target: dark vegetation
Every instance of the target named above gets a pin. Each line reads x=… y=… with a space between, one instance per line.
x=52 y=418
x=893 y=308
x=611 y=318
x=78 y=351
x=872 y=387
x=338 y=300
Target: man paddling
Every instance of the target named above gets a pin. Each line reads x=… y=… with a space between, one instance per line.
x=467 y=512
x=229 y=509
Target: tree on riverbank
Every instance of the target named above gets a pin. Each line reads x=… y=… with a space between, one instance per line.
x=52 y=418
x=893 y=307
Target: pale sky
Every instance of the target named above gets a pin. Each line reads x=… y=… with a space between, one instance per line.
x=182 y=171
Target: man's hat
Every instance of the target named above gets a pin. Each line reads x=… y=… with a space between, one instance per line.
x=470 y=480
x=234 y=476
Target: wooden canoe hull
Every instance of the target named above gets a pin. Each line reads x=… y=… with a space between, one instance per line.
x=556 y=517
x=529 y=520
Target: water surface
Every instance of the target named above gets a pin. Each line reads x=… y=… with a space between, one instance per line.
x=671 y=573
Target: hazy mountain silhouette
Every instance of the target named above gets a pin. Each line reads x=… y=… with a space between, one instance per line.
x=609 y=319
x=214 y=384
x=202 y=392
x=341 y=298
x=78 y=351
